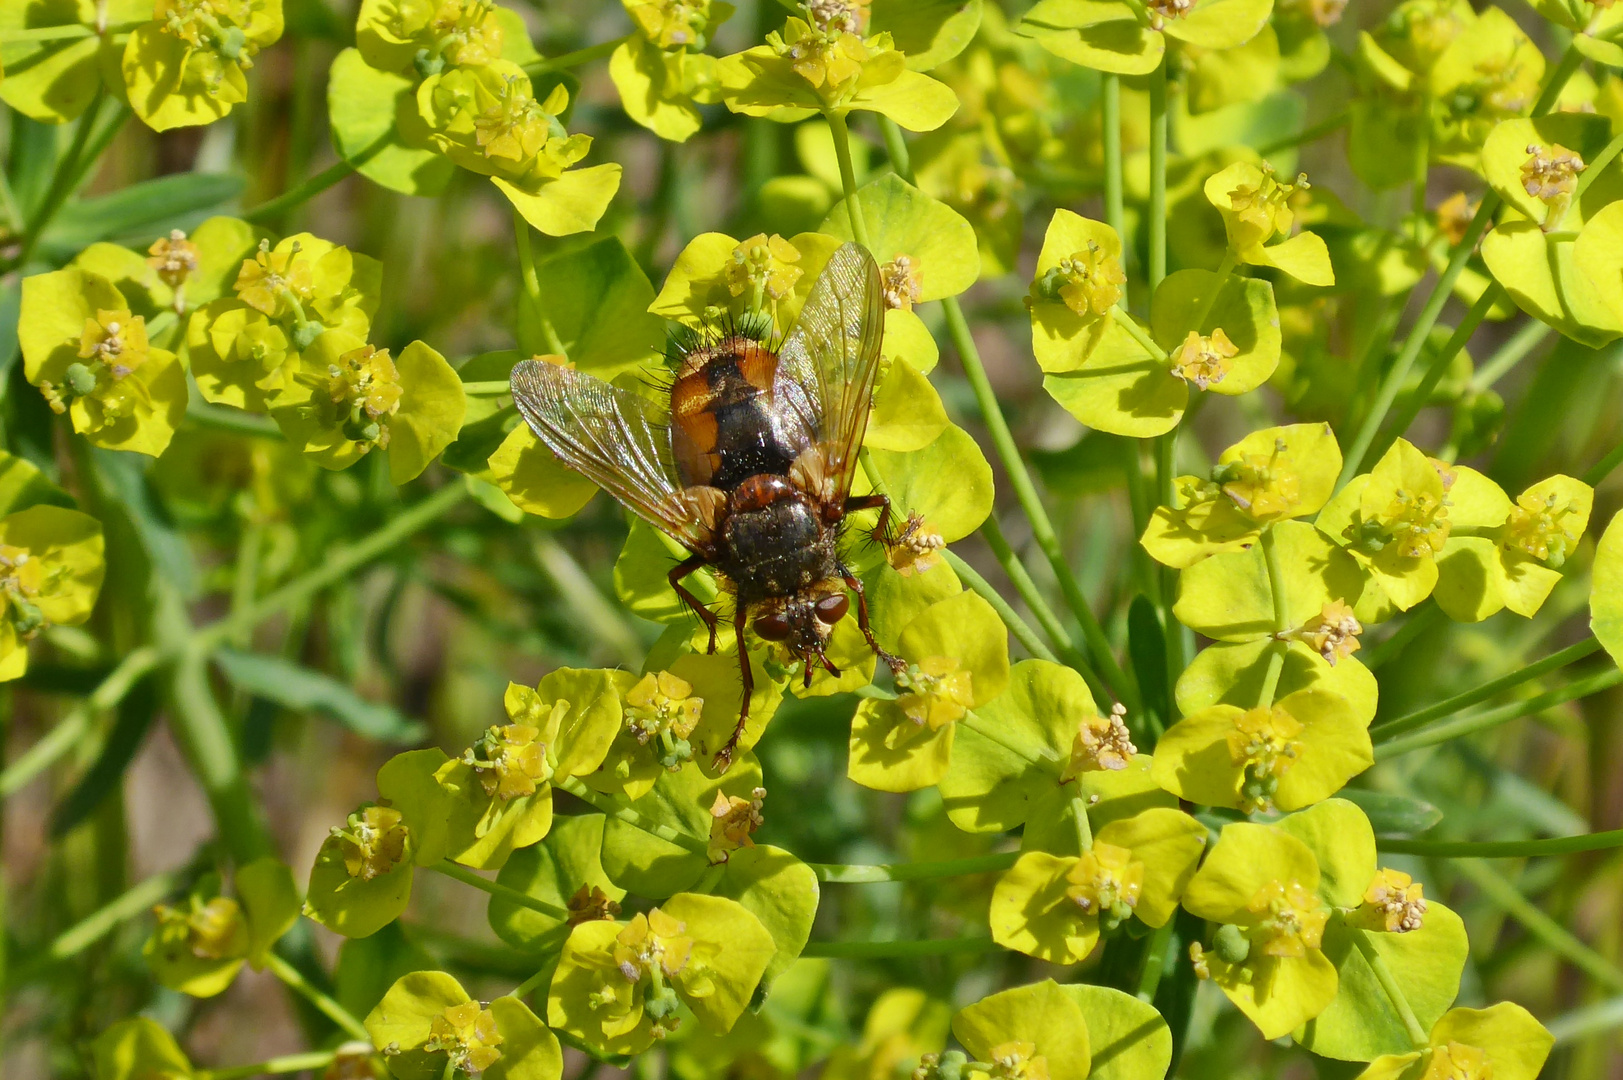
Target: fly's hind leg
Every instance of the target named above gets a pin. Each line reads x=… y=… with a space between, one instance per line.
x=682 y=570
x=724 y=757
x=882 y=530
x=854 y=583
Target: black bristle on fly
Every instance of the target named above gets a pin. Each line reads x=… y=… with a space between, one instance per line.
x=682 y=341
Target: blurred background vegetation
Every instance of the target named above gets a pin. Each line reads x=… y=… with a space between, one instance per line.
x=431 y=633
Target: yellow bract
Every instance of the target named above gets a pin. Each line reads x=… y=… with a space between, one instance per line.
x=373 y=841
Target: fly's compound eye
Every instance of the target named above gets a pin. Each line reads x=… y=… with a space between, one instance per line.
x=831 y=609
x=774 y=627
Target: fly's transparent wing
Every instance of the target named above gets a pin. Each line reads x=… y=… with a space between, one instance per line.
x=828 y=363
x=616 y=439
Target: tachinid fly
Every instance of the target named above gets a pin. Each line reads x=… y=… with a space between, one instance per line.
x=748 y=464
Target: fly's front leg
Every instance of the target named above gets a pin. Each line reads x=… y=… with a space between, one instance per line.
x=854 y=583
x=881 y=531
x=682 y=570
x=724 y=758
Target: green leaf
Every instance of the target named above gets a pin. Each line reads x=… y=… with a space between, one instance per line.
x=903 y=221
x=1128 y=1038
x=303 y=690
x=1361 y=1022
x=779 y=890
x=596 y=299
x=1543 y=275
x=1606 y=596
x=368 y=966
x=1232 y=673
x=948 y=483
x=907 y=412
x=22 y=485
x=404 y=1019
x=138 y=1048
x=430 y=413
x=1105 y=35
x=376 y=127
x=551 y=871
x=271 y=901
x=641 y=862
x=352 y=906
x=141 y=211
x=1243 y=309
x=1343 y=843
x=930 y=32
x=1042 y=1014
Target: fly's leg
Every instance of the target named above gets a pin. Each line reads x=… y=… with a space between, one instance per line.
x=881 y=531
x=682 y=570
x=724 y=758
x=854 y=583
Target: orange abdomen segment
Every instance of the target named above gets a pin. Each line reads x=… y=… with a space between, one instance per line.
x=721 y=381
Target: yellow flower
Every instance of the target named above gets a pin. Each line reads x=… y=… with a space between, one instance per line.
x=1538 y=527
x=829 y=58
x=1106 y=882
x=1551 y=176
x=112 y=346
x=1293 y=920
x=365 y=384
x=732 y=820
x=1454 y=217
x=1018 y=1061
x=1204 y=361
x=1263 y=745
x=1457 y=1061
x=1260 y=486
x=935 y=692
x=373 y=841
x=1396 y=900
x=271 y=278
x=1102 y=743
x=662 y=706
x=467 y=33
x=1264 y=206
x=916 y=550
x=1089 y=282
x=1418 y=523
x=468 y=1036
x=763 y=266
x=1332 y=633
x=509 y=761
x=650 y=943
x=173 y=257
x=214 y=930
x=903 y=283
x=673 y=24
x=1163 y=11
x=591 y=904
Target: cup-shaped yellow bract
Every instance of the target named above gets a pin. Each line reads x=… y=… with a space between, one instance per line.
x=429 y=1027
x=957 y=657
x=498 y=793
x=661 y=71
x=1052 y=907
x=1270 y=475
x=826 y=66
x=1078 y=284
x=51 y=568
x=1257 y=209
x=201 y=943
x=1503 y=1041
x=1516 y=564
x=91 y=357
x=1397 y=519
x=1291 y=754
x=1033 y=1030
x=189 y=64
x=619 y=986
x=487 y=120
x=1130 y=39
x=245 y=346
x=1265 y=882
x=716 y=278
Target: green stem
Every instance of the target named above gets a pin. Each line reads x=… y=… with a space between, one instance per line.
x=1225 y=270
x=1155 y=962
x=498 y=890
x=1138 y=505
x=1571 y=60
x=493 y=388
x=62 y=180
x=532 y=984
x=1166 y=475
x=1394 y=992
x=1018 y=627
x=1502 y=849
x=626 y=814
x=848 y=176
x=1391 y=729
x=294 y=979
x=896 y=147
x=91 y=929
x=1276 y=588
x=1042 y=529
x=225 y=418
x=992 y=533
x=65 y=735
x=309 y=1061
x=578 y=57
x=1603 y=468
x=1555 y=936
x=856 y=874
x=532 y=284
x=898 y=950
x=1158 y=176
x=272 y=209
x=337 y=566
x=204 y=736
x=1439 y=367
x=1593 y=168
x=1079 y=820
x=1469 y=725
x=1510 y=354
x=1110 y=117
x=1358 y=449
